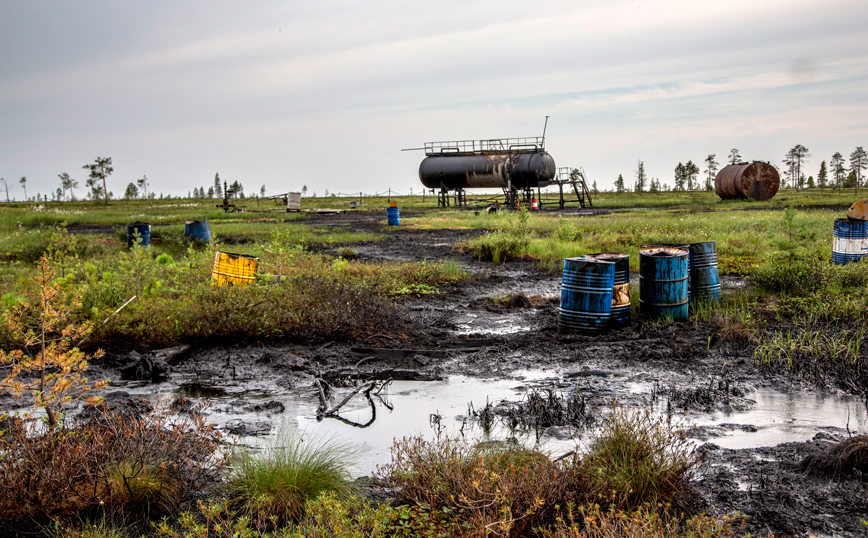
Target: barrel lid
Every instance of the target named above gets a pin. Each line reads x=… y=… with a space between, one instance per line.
x=581 y=262
x=233 y=255
x=607 y=256
x=139 y=223
x=196 y=221
x=664 y=250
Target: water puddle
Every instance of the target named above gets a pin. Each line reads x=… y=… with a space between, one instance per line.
x=431 y=408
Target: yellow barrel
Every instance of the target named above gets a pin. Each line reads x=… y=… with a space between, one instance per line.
x=234 y=269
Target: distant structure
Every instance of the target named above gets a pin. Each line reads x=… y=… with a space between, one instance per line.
x=515 y=165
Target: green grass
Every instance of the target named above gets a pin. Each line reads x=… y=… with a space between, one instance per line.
x=273 y=486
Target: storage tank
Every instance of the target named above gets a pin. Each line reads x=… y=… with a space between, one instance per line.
x=757 y=181
x=487 y=164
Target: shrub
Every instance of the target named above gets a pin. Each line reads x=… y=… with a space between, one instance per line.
x=500 y=246
x=273 y=486
x=639 y=459
x=647 y=522
x=127 y=467
x=793 y=275
x=503 y=490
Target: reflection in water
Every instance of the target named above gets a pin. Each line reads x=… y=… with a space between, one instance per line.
x=431 y=408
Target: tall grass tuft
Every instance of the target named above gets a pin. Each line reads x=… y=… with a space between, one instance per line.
x=272 y=486
x=639 y=459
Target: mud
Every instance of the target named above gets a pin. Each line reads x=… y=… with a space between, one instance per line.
x=484 y=361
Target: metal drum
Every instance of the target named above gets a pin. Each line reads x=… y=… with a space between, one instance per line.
x=663 y=273
x=704 y=281
x=143 y=230
x=197 y=230
x=755 y=181
x=620 y=287
x=850 y=241
x=234 y=269
x=586 y=296
x=393 y=216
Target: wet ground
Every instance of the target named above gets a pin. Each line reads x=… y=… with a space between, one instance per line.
x=477 y=361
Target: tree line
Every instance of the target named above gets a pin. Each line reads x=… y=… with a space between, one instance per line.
x=686 y=177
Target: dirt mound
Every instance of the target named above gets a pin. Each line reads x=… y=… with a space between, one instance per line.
x=518 y=302
x=847 y=458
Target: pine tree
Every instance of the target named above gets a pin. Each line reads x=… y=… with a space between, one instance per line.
x=710 y=171
x=218 y=187
x=822 y=176
x=858 y=162
x=100 y=169
x=794 y=160
x=734 y=156
x=839 y=171
x=132 y=191
x=692 y=171
x=680 y=177
x=619 y=184
x=640 y=176
x=143 y=186
x=47 y=365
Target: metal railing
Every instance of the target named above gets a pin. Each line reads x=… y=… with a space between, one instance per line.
x=481 y=147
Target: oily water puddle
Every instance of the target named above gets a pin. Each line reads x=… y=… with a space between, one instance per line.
x=431 y=408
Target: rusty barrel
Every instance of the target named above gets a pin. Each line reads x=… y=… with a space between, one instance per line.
x=586 y=296
x=858 y=211
x=663 y=274
x=756 y=181
x=234 y=269
x=849 y=241
x=197 y=230
x=704 y=281
x=620 y=316
x=139 y=233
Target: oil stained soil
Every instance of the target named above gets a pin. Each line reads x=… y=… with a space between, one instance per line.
x=499 y=329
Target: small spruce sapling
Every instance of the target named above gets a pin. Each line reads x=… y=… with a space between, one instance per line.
x=49 y=368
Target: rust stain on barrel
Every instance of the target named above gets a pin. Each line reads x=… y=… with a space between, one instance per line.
x=756 y=181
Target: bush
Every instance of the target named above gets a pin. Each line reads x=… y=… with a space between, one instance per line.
x=505 y=490
x=126 y=467
x=647 y=522
x=273 y=486
x=793 y=275
x=500 y=246
x=638 y=459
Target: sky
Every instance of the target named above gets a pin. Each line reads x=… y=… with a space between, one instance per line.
x=326 y=94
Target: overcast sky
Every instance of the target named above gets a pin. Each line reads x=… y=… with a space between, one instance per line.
x=326 y=94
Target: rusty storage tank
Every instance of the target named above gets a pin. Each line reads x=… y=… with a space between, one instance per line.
x=487 y=164
x=757 y=181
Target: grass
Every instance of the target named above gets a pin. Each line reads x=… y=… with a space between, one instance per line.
x=272 y=487
x=638 y=459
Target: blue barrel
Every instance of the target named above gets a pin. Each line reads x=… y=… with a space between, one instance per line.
x=586 y=296
x=620 y=286
x=849 y=241
x=143 y=230
x=704 y=281
x=197 y=230
x=394 y=216
x=663 y=273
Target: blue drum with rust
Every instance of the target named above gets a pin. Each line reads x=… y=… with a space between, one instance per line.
x=393 y=216
x=663 y=274
x=704 y=281
x=197 y=230
x=139 y=233
x=620 y=286
x=586 y=296
x=849 y=241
